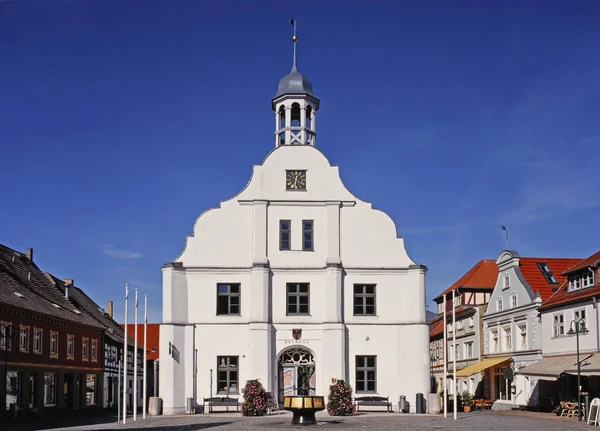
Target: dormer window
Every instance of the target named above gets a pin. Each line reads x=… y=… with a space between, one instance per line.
x=581 y=280
x=506 y=282
x=547 y=273
x=499 y=304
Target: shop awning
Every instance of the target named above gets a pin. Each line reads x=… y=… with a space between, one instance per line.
x=551 y=368
x=480 y=366
x=590 y=365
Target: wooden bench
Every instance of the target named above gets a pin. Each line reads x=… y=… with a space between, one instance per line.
x=222 y=402
x=372 y=402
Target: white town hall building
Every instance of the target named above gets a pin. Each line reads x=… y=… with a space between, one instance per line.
x=295 y=270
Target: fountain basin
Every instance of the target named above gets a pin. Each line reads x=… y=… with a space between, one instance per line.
x=304 y=408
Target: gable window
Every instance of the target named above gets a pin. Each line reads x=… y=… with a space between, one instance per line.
x=84 y=349
x=53 y=344
x=364 y=300
x=37 y=340
x=5 y=332
x=70 y=341
x=298 y=295
x=24 y=339
x=366 y=374
x=547 y=272
x=227 y=368
x=285 y=234
x=307 y=235
x=506 y=282
x=559 y=325
x=228 y=298
x=580 y=317
x=513 y=300
x=499 y=304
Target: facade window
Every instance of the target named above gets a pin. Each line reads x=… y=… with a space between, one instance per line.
x=507 y=339
x=581 y=281
x=5 y=332
x=513 y=300
x=84 y=348
x=494 y=344
x=24 y=339
x=227 y=367
x=364 y=300
x=366 y=374
x=457 y=352
x=469 y=350
x=506 y=283
x=298 y=298
x=90 y=390
x=53 y=344
x=580 y=316
x=285 y=235
x=228 y=298
x=94 y=350
x=559 y=325
x=49 y=389
x=499 y=304
x=70 y=342
x=523 y=335
x=307 y=235
x=37 y=340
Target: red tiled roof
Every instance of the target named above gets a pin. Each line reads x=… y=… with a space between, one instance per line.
x=153 y=338
x=564 y=297
x=483 y=276
x=535 y=278
x=593 y=260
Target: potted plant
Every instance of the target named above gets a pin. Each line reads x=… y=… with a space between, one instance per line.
x=467 y=400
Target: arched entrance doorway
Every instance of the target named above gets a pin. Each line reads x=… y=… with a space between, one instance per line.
x=296 y=366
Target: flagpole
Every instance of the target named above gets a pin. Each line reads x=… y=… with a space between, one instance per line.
x=145 y=378
x=455 y=403
x=505 y=229
x=125 y=358
x=445 y=362
x=135 y=358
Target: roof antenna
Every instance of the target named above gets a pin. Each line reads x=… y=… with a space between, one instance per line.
x=294 y=38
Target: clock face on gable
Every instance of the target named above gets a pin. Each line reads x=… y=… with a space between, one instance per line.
x=295 y=180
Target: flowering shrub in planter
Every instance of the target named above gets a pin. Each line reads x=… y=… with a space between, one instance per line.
x=339 y=402
x=255 y=399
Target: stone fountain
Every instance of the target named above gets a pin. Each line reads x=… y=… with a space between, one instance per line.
x=304 y=406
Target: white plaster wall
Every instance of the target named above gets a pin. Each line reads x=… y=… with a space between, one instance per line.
x=552 y=345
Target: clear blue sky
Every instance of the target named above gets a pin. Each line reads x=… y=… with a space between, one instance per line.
x=122 y=121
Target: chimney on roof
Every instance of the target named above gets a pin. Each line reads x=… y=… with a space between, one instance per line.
x=67 y=284
x=110 y=309
x=69 y=281
x=29 y=254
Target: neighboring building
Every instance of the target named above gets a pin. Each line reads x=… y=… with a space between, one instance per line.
x=53 y=358
x=110 y=347
x=472 y=293
x=577 y=299
x=152 y=353
x=511 y=325
x=294 y=274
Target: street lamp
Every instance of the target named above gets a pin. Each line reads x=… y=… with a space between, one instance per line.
x=579 y=329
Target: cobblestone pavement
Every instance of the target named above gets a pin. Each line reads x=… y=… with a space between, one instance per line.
x=489 y=421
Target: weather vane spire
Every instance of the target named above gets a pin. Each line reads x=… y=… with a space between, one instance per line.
x=294 y=38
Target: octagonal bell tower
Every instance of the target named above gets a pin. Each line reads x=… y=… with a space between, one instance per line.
x=295 y=107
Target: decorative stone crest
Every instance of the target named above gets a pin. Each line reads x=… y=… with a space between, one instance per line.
x=297 y=334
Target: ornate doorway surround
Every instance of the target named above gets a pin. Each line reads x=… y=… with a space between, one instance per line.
x=289 y=362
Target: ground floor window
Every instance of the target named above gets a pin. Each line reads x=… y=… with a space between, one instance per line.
x=366 y=373
x=90 y=389
x=227 y=369
x=49 y=389
x=12 y=388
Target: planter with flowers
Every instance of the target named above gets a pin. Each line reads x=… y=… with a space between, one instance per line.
x=255 y=399
x=340 y=399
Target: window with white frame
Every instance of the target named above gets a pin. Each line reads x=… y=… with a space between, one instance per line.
x=582 y=280
x=579 y=316
x=37 y=340
x=506 y=282
x=494 y=341
x=559 y=325
x=513 y=300
x=24 y=340
x=468 y=350
x=5 y=333
x=499 y=304
x=457 y=351
x=522 y=336
x=507 y=339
